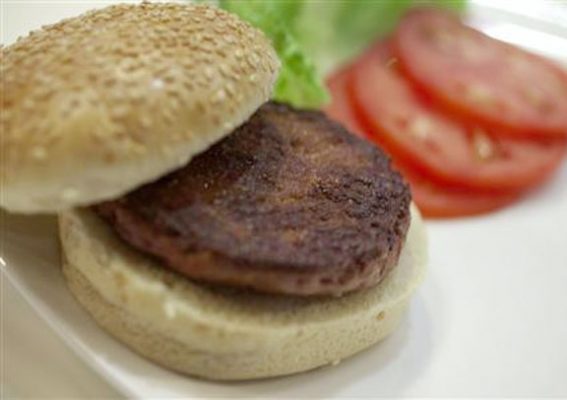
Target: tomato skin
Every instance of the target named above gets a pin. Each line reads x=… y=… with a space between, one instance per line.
x=340 y=108
x=480 y=79
x=433 y=201
x=441 y=202
x=437 y=192
x=446 y=151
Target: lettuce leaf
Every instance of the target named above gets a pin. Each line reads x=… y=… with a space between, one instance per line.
x=299 y=83
x=312 y=37
x=336 y=31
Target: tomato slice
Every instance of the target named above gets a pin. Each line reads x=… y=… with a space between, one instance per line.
x=433 y=201
x=447 y=152
x=340 y=108
x=482 y=79
x=441 y=202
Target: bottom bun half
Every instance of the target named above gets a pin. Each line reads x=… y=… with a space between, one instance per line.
x=222 y=333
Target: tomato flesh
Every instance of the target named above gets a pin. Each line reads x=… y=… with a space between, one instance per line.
x=441 y=202
x=481 y=79
x=339 y=108
x=458 y=158
x=448 y=152
x=433 y=201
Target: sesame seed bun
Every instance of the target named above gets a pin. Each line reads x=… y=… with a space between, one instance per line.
x=97 y=105
x=220 y=333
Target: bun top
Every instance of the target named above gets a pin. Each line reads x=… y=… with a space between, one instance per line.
x=97 y=105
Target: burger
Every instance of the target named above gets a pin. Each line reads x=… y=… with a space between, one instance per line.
x=209 y=229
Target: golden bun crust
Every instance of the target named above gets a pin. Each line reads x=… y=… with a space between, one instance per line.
x=221 y=333
x=96 y=105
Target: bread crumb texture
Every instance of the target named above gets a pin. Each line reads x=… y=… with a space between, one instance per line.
x=223 y=333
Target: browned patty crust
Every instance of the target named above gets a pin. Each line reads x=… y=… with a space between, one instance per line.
x=290 y=202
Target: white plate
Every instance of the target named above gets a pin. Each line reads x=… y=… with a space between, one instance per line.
x=490 y=320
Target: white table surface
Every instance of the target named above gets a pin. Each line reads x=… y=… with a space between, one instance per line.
x=36 y=361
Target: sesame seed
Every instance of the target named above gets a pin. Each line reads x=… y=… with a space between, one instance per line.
x=479 y=94
x=483 y=145
x=420 y=127
x=157 y=84
x=39 y=153
x=69 y=194
x=392 y=62
x=142 y=68
x=220 y=96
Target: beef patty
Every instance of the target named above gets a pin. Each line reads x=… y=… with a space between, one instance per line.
x=290 y=202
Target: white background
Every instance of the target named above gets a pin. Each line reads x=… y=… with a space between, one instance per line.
x=490 y=320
